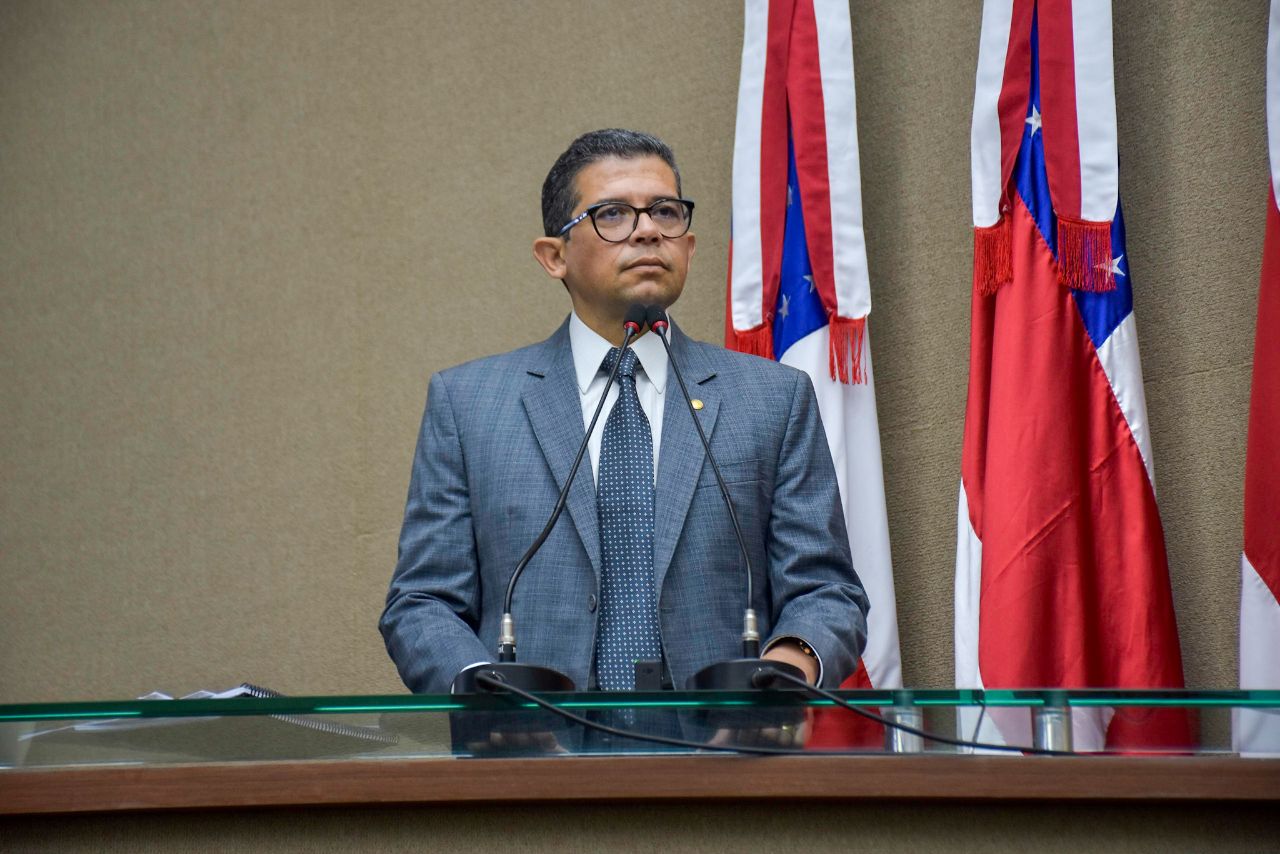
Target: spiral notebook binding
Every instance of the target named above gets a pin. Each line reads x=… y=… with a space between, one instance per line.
x=366 y=733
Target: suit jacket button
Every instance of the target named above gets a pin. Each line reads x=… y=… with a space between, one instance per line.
x=591 y=603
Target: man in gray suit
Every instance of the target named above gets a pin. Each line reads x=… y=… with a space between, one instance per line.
x=499 y=435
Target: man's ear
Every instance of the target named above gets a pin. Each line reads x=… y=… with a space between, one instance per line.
x=549 y=252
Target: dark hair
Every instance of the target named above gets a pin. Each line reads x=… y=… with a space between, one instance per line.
x=560 y=197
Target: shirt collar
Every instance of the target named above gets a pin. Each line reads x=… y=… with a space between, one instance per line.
x=589 y=350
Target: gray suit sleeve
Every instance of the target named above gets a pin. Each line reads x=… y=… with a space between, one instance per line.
x=433 y=605
x=816 y=594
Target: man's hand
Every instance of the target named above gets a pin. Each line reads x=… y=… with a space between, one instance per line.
x=791 y=734
x=789 y=652
x=501 y=743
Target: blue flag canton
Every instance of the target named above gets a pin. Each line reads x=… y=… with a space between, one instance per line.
x=799 y=310
x=1101 y=312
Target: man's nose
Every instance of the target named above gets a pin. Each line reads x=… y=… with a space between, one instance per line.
x=646 y=229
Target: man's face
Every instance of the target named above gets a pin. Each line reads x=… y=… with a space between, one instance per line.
x=604 y=279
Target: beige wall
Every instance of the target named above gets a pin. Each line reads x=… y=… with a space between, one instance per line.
x=237 y=237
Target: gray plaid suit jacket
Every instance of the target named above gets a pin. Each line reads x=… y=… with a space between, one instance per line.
x=497 y=440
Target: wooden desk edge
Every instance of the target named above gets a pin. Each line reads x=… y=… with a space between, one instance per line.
x=641 y=778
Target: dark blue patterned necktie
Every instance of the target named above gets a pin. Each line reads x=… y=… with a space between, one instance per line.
x=624 y=500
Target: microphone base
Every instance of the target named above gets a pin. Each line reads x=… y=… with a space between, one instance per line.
x=517 y=732
x=527 y=677
x=740 y=674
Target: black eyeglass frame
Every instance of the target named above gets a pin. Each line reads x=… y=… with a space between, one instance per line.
x=591 y=213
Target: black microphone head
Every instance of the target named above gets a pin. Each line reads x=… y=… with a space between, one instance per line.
x=656 y=318
x=635 y=319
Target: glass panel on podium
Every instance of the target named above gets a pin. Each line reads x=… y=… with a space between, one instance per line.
x=248 y=728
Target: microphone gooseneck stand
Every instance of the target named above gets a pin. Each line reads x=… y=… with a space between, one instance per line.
x=506 y=670
x=751 y=672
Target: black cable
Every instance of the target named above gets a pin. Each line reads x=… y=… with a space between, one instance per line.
x=982 y=714
x=764 y=751
x=941 y=739
x=489 y=681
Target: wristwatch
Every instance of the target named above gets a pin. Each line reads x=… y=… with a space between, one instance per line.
x=806 y=649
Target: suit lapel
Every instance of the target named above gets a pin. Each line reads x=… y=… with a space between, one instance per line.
x=681 y=456
x=553 y=403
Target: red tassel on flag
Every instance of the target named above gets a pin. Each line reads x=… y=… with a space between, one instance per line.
x=758 y=340
x=1084 y=255
x=992 y=258
x=846 y=348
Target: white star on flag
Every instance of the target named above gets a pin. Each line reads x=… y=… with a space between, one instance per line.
x=809 y=279
x=1115 y=266
x=1034 y=120
x=786 y=307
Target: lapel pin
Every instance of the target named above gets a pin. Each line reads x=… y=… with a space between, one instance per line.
x=697 y=404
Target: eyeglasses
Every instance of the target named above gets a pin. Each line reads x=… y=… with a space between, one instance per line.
x=616 y=221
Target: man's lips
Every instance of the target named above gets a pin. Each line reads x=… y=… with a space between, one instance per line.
x=647 y=261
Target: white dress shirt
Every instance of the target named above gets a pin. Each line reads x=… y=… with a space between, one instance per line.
x=589 y=350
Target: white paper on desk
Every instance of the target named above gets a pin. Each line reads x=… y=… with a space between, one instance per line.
x=126 y=724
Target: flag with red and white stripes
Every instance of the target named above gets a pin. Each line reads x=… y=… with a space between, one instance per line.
x=798 y=284
x=1061 y=573
x=1258 y=731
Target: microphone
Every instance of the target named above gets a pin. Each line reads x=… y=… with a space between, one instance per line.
x=532 y=677
x=750 y=671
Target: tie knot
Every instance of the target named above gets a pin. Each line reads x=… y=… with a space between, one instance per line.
x=629 y=361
